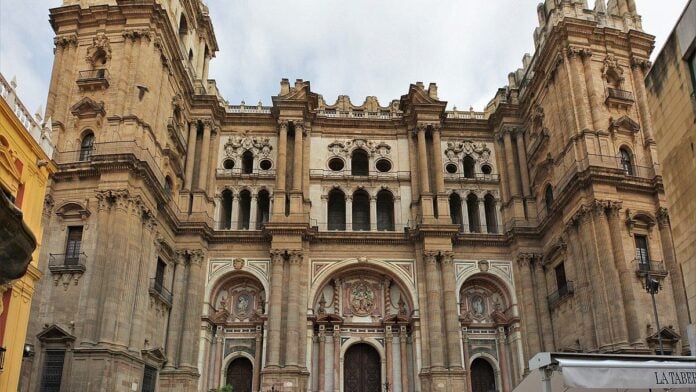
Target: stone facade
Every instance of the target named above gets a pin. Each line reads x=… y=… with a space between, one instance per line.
x=671 y=86
x=309 y=246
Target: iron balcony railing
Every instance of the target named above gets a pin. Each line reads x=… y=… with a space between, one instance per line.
x=654 y=267
x=94 y=74
x=563 y=292
x=239 y=172
x=67 y=263
x=371 y=227
x=347 y=174
x=476 y=177
x=157 y=288
x=616 y=93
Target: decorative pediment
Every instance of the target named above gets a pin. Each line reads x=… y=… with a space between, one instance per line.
x=458 y=150
x=73 y=210
x=55 y=334
x=87 y=108
x=156 y=355
x=668 y=335
x=7 y=163
x=623 y=123
x=418 y=96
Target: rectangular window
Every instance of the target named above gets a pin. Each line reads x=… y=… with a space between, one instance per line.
x=642 y=252
x=149 y=379
x=72 y=248
x=159 y=275
x=561 y=282
x=52 y=371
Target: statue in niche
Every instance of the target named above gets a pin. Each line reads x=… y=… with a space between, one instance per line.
x=402 y=307
x=322 y=306
x=222 y=303
x=497 y=302
x=362 y=299
x=243 y=304
x=477 y=305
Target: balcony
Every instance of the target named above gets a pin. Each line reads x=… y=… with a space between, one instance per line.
x=655 y=268
x=93 y=79
x=476 y=177
x=561 y=294
x=158 y=290
x=319 y=174
x=238 y=172
x=67 y=263
x=618 y=97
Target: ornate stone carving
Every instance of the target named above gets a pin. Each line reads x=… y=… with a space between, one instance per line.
x=662 y=216
x=100 y=47
x=136 y=34
x=612 y=71
x=237 y=145
x=65 y=40
x=277 y=256
x=238 y=263
x=362 y=298
x=345 y=148
x=295 y=256
x=458 y=150
x=430 y=256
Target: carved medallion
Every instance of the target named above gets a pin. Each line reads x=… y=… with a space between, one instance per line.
x=362 y=299
x=238 y=264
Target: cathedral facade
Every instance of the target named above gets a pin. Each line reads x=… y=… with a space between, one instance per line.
x=318 y=246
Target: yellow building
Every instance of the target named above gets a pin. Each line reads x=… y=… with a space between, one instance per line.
x=25 y=166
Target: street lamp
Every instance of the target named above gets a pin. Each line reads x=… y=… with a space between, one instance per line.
x=652 y=286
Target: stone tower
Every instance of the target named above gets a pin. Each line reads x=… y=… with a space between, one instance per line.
x=309 y=246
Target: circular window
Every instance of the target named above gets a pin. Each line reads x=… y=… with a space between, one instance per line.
x=265 y=164
x=336 y=164
x=486 y=169
x=383 y=165
x=451 y=168
x=228 y=164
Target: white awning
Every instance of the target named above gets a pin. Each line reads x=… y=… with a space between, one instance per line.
x=626 y=374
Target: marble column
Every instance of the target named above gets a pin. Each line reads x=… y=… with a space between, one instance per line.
x=675 y=273
x=190 y=154
x=611 y=275
x=258 y=354
x=322 y=358
x=483 y=223
x=437 y=160
x=234 y=213
x=252 y=212
x=388 y=352
x=205 y=157
x=176 y=314
x=298 y=159
x=499 y=216
x=423 y=160
x=403 y=339
x=349 y=212
x=281 y=175
x=637 y=68
x=432 y=277
x=213 y=160
x=292 y=335
x=397 y=212
x=275 y=308
x=454 y=353
x=522 y=158
x=465 y=216
x=373 y=213
x=511 y=167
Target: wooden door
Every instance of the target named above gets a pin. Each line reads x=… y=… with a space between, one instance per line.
x=362 y=369
x=239 y=375
x=482 y=376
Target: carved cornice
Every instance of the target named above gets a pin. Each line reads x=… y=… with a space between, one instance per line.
x=136 y=34
x=65 y=40
x=191 y=256
x=640 y=63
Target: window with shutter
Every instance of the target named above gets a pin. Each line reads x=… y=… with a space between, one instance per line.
x=52 y=371
x=72 y=249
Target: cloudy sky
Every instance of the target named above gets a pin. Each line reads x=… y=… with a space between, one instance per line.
x=357 y=47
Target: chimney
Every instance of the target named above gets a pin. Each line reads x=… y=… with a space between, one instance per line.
x=284 y=87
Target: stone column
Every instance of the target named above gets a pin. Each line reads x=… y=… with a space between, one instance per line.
x=434 y=316
x=192 y=316
x=373 y=213
x=579 y=88
x=509 y=158
x=423 y=160
x=215 y=365
x=403 y=339
x=98 y=271
x=675 y=273
x=252 y=212
x=397 y=212
x=465 y=216
x=298 y=160
x=389 y=353
x=279 y=192
x=501 y=163
x=212 y=162
x=176 y=314
x=234 y=213
x=582 y=289
x=190 y=155
x=322 y=358
x=625 y=275
x=498 y=216
x=454 y=354
x=258 y=354
x=482 y=215
x=349 y=212
x=337 y=358
x=637 y=67
x=542 y=304
x=502 y=360
x=527 y=289
x=437 y=160
x=522 y=158
x=275 y=308
x=596 y=105
x=611 y=275
x=292 y=335
x=465 y=343
x=205 y=152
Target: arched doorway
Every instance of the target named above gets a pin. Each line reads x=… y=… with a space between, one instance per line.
x=361 y=369
x=239 y=375
x=482 y=376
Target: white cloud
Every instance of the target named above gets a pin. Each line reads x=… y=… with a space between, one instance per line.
x=357 y=47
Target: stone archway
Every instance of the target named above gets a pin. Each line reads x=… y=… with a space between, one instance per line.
x=361 y=369
x=239 y=374
x=482 y=376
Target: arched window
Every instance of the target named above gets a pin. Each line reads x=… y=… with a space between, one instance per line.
x=183 y=25
x=491 y=216
x=244 y=209
x=468 y=167
x=247 y=162
x=361 y=211
x=87 y=147
x=337 y=210
x=385 y=211
x=226 y=210
x=264 y=209
x=472 y=206
x=190 y=57
x=360 y=163
x=626 y=161
x=548 y=197
x=168 y=185
x=455 y=205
